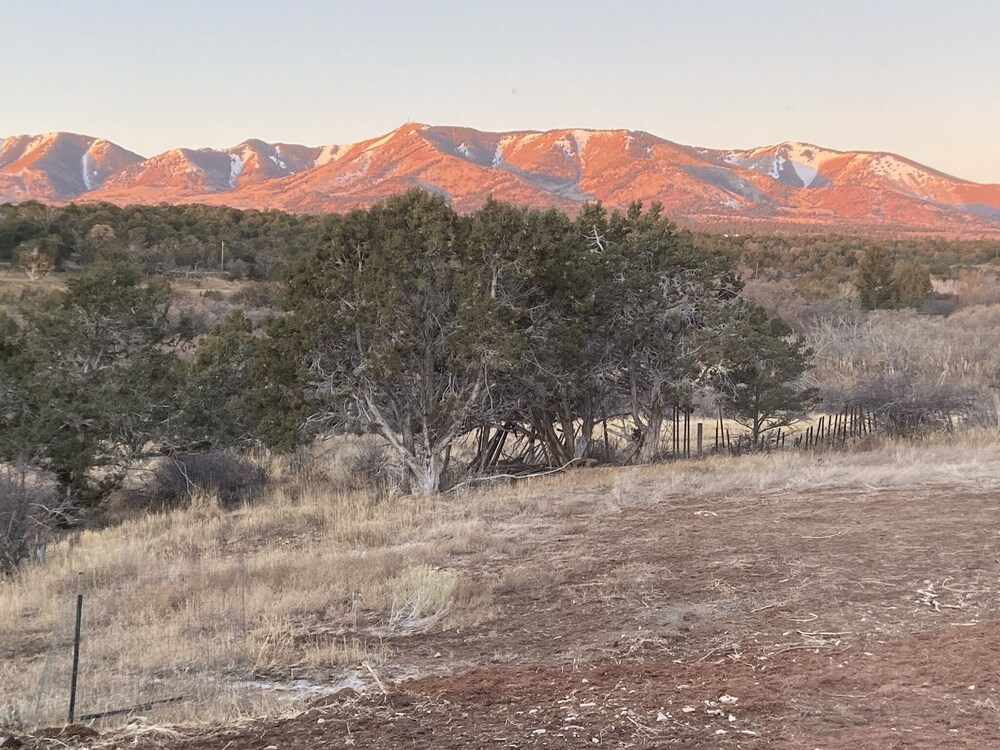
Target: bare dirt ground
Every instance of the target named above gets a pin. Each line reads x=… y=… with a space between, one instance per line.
x=827 y=618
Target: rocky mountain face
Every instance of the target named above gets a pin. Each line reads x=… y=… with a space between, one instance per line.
x=789 y=182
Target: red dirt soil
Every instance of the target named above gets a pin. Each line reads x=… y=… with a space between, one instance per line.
x=828 y=619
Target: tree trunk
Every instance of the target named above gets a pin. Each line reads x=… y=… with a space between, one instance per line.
x=651 y=437
x=758 y=421
x=427 y=477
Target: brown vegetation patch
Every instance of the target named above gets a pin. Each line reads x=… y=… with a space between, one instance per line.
x=847 y=600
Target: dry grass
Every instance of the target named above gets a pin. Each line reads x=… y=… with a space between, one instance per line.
x=14 y=282
x=309 y=576
x=965 y=459
x=421 y=596
x=324 y=575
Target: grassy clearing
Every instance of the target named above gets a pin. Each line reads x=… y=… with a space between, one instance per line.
x=319 y=577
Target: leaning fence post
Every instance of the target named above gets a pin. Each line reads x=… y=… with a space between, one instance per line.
x=76 y=658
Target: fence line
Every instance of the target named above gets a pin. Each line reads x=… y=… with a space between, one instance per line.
x=198 y=661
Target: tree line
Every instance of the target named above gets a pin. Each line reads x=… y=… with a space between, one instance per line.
x=157 y=239
x=411 y=321
x=261 y=244
x=832 y=258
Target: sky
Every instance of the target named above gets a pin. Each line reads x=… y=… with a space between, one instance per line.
x=916 y=77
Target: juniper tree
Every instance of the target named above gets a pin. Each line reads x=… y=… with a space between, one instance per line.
x=391 y=328
x=913 y=283
x=543 y=276
x=875 y=281
x=664 y=304
x=88 y=379
x=758 y=371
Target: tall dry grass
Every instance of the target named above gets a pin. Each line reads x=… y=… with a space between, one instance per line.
x=319 y=575
x=311 y=576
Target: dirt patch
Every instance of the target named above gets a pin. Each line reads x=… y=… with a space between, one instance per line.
x=827 y=619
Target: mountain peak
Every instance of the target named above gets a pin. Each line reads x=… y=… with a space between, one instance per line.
x=789 y=181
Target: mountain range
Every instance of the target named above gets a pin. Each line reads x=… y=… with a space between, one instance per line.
x=788 y=182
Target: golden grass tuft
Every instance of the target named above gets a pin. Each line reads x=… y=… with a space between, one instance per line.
x=421 y=596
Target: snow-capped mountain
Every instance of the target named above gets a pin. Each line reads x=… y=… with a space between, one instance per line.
x=795 y=182
x=185 y=174
x=56 y=167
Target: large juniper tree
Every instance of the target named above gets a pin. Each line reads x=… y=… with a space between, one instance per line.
x=543 y=279
x=665 y=301
x=391 y=328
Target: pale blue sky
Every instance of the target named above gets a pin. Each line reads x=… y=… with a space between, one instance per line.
x=918 y=77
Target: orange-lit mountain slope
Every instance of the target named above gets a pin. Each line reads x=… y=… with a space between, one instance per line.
x=789 y=182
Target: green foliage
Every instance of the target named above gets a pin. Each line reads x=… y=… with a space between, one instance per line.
x=419 y=324
x=390 y=325
x=884 y=285
x=214 y=401
x=259 y=244
x=876 y=284
x=405 y=319
x=758 y=373
x=664 y=308
x=543 y=280
x=913 y=283
x=88 y=381
x=262 y=244
x=825 y=259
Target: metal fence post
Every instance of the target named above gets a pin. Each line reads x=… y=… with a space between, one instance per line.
x=76 y=658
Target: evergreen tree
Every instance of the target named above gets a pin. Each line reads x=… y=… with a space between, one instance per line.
x=215 y=400
x=88 y=381
x=913 y=282
x=666 y=298
x=394 y=330
x=757 y=375
x=876 y=281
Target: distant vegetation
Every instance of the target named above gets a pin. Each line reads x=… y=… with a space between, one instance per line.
x=157 y=239
x=261 y=244
x=471 y=345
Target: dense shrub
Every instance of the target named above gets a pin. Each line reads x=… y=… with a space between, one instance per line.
x=29 y=511
x=233 y=477
x=914 y=372
x=903 y=404
x=369 y=465
x=258 y=294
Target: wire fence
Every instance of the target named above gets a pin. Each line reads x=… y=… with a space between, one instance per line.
x=196 y=660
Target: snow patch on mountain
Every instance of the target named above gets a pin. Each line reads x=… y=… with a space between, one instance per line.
x=805 y=172
x=463 y=150
x=807 y=153
x=776 y=167
x=886 y=165
x=568 y=148
x=581 y=137
x=801 y=159
x=329 y=153
x=235 y=167
x=374 y=145
x=502 y=144
x=85 y=168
